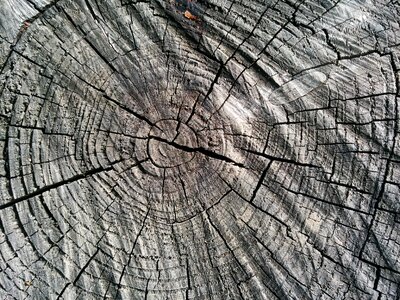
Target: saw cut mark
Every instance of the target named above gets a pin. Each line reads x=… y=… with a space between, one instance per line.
x=297 y=88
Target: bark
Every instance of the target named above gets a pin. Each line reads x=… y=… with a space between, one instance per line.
x=209 y=149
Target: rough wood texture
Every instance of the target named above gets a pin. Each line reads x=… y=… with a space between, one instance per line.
x=199 y=149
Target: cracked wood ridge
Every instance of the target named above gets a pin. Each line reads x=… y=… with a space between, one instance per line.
x=199 y=149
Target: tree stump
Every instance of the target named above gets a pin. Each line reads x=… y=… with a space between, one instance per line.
x=214 y=149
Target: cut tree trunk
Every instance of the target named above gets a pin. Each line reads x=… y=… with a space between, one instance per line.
x=211 y=149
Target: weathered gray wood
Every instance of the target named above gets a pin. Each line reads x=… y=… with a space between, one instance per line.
x=209 y=149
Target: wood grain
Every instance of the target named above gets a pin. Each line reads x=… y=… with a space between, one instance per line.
x=208 y=149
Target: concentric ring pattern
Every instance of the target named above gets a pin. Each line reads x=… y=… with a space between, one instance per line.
x=199 y=149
